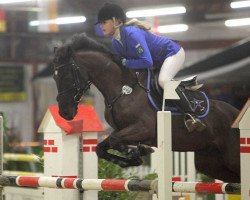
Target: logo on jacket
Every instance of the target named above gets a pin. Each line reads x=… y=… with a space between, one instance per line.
x=139 y=49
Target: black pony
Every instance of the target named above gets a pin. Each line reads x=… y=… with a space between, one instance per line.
x=82 y=61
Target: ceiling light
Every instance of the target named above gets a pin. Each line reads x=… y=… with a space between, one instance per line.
x=14 y=1
x=240 y=4
x=172 y=28
x=237 y=22
x=70 y=20
x=156 y=12
x=61 y=20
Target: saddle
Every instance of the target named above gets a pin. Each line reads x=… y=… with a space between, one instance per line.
x=192 y=99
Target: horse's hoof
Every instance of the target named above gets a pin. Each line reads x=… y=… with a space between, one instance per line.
x=145 y=149
x=130 y=163
x=139 y=162
x=139 y=151
x=124 y=164
x=136 y=162
x=133 y=154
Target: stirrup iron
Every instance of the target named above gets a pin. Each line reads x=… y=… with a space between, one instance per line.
x=193 y=123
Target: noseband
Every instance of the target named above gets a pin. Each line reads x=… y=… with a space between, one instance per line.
x=79 y=85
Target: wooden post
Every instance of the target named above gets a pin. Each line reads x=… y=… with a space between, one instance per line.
x=164 y=144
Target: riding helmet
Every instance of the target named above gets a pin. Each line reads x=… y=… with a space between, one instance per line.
x=110 y=10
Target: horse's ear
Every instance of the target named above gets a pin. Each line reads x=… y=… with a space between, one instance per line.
x=55 y=48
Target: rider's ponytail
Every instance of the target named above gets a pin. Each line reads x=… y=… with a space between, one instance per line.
x=143 y=25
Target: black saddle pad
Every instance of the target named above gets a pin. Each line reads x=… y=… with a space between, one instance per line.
x=198 y=99
x=199 y=102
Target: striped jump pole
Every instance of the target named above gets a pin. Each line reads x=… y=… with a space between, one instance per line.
x=118 y=185
x=206 y=188
x=78 y=183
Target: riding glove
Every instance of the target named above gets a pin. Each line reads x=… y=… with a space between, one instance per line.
x=124 y=61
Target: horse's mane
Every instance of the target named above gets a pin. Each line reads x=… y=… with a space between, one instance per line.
x=83 y=42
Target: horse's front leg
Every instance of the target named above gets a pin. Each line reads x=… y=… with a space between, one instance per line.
x=134 y=141
x=137 y=151
x=102 y=152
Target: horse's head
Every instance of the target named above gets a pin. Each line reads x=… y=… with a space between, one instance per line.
x=71 y=84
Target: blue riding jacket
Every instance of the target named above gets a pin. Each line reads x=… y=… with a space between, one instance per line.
x=143 y=49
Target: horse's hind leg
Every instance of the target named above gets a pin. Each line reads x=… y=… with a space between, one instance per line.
x=210 y=162
x=230 y=149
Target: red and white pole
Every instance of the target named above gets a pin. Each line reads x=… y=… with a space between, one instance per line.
x=118 y=185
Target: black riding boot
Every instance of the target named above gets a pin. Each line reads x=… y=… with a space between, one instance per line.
x=191 y=121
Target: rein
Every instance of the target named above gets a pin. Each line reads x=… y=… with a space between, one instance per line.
x=126 y=90
x=79 y=87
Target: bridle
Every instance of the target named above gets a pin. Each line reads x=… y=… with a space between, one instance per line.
x=80 y=85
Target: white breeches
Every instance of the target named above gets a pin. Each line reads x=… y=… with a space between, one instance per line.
x=171 y=66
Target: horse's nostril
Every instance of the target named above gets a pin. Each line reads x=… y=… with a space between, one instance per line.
x=63 y=113
x=66 y=115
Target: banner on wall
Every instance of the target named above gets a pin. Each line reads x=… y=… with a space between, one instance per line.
x=2 y=20
x=12 y=83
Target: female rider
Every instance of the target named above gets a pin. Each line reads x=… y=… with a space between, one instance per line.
x=138 y=48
